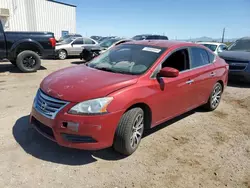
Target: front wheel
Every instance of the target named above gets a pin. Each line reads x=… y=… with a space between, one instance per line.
x=62 y=54
x=129 y=131
x=215 y=97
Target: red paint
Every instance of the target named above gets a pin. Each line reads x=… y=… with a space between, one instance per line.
x=166 y=97
x=168 y=72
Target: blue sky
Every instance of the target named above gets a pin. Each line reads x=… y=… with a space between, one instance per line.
x=176 y=18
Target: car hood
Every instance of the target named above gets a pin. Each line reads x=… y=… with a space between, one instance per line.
x=235 y=55
x=79 y=83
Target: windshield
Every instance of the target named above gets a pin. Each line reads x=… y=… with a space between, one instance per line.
x=211 y=46
x=67 y=41
x=240 y=45
x=107 y=43
x=127 y=59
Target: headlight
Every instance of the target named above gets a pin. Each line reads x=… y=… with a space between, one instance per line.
x=94 y=106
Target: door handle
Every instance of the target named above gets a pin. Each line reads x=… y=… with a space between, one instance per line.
x=189 y=81
x=212 y=74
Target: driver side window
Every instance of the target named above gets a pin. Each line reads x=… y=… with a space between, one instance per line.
x=178 y=60
x=78 y=41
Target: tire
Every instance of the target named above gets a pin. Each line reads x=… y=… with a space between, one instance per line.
x=62 y=54
x=13 y=62
x=128 y=130
x=28 y=61
x=215 y=97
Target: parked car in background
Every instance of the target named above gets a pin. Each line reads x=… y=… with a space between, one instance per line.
x=96 y=38
x=69 y=36
x=238 y=58
x=73 y=46
x=150 y=37
x=89 y=54
x=216 y=47
x=132 y=87
x=105 y=38
x=109 y=43
x=23 y=49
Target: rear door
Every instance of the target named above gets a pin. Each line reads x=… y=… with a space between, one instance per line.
x=2 y=42
x=203 y=75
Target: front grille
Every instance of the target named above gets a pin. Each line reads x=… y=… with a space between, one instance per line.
x=77 y=138
x=237 y=65
x=48 y=106
x=43 y=128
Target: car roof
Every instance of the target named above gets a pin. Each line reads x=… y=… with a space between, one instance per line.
x=244 y=38
x=215 y=43
x=162 y=43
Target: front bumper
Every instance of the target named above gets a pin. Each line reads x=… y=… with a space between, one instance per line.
x=239 y=75
x=93 y=132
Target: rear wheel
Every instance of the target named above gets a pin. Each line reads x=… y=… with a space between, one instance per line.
x=129 y=131
x=28 y=61
x=62 y=54
x=215 y=97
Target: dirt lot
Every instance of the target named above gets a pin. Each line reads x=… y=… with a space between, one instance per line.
x=198 y=149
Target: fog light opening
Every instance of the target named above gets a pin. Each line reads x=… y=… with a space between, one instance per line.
x=71 y=126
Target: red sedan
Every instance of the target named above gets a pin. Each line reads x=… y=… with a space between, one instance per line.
x=130 y=88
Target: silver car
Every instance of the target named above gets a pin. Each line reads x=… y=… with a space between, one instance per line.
x=73 y=46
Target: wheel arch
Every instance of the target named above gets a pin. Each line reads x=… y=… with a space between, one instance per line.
x=222 y=84
x=147 y=113
x=23 y=45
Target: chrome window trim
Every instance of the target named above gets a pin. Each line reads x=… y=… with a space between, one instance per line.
x=152 y=76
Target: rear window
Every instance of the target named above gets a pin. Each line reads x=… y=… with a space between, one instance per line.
x=128 y=59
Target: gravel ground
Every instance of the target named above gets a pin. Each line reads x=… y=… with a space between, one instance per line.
x=197 y=149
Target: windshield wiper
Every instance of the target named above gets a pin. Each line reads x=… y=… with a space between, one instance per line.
x=112 y=70
x=105 y=69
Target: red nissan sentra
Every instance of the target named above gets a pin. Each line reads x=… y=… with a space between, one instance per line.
x=130 y=88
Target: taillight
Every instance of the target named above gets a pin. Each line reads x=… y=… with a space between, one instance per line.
x=52 y=42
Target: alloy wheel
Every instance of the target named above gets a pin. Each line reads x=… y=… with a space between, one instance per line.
x=62 y=55
x=216 y=96
x=137 y=131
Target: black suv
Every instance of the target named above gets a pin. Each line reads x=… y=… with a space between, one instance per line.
x=150 y=37
x=238 y=58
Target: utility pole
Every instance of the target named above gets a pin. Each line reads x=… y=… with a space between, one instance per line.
x=223 y=35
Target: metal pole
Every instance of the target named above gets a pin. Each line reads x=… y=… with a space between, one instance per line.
x=223 y=35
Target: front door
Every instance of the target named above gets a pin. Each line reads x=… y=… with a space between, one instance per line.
x=77 y=47
x=172 y=95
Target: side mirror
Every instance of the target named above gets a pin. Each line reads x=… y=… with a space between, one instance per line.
x=168 y=72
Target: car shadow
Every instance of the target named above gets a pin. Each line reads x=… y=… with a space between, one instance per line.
x=78 y=62
x=169 y=122
x=7 y=67
x=36 y=145
x=239 y=84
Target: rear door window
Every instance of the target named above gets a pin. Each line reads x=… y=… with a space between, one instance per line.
x=199 y=57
